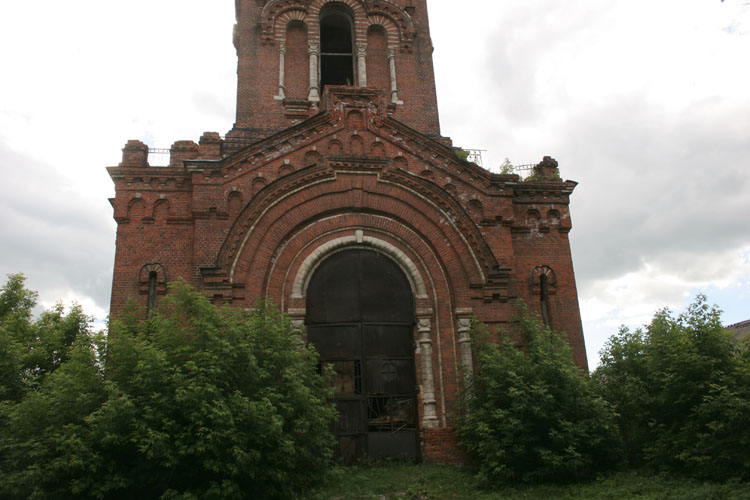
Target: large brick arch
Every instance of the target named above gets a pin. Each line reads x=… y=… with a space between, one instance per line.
x=357 y=240
x=317 y=193
x=296 y=258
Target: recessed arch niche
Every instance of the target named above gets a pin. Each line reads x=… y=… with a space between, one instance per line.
x=360 y=314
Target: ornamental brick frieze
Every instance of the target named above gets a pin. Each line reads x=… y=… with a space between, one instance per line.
x=325 y=178
x=453 y=210
x=306 y=177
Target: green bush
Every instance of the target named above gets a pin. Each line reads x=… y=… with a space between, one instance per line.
x=196 y=402
x=530 y=413
x=461 y=154
x=681 y=388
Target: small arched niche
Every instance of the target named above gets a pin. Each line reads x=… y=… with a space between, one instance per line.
x=298 y=80
x=378 y=73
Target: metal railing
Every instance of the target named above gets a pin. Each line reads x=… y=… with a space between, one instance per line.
x=523 y=171
x=158 y=157
x=475 y=156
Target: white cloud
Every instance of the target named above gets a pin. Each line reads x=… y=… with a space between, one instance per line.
x=645 y=103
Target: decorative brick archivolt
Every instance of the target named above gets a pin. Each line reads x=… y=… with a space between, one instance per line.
x=144 y=275
x=281 y=23
x=298 y=256
x=393 y=32
x=535 y=279
x=319 y=190
x=357 y=240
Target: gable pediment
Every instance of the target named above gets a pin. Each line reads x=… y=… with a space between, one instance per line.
x=353 y=122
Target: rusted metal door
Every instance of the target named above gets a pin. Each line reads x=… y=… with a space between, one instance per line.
x=360 y=317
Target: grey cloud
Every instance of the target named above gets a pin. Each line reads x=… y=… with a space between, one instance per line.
x=50 y=232
x=652 y=187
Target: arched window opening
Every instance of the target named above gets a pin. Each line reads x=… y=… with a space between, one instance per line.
x=544 y=298
x=152 y=282
x=336 y=48
x=542 y=281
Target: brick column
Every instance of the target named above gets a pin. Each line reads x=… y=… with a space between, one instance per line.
x=427 y=389
x=282 y=70
x=394 y=84
x=362 y=65
x=313 y=50
x=464 y=341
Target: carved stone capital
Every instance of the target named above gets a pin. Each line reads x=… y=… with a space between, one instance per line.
x=424 y=329
x=464 y=327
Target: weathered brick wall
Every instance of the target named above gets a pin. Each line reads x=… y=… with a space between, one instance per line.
x=245 y=221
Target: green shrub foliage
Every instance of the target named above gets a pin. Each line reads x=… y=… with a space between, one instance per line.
x=195 y=403
x=681 y=387
x=530 y=413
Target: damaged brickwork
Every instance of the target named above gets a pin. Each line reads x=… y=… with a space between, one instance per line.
x=328 y=187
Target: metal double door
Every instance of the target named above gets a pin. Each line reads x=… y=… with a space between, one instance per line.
x=375 y=387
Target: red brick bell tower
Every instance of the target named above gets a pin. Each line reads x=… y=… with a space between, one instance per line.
x=294 y=50
x=335 y=196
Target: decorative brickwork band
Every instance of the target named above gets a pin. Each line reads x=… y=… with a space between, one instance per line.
x=427 y=388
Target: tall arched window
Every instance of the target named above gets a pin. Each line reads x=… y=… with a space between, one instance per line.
x=336 y=47
x=152 y=280
x=543 y=281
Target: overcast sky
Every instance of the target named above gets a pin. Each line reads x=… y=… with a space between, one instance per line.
x=645 y=103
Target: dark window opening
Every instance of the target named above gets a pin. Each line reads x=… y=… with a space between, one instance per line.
x=336 y=50
x=544 y=298
x=390 y=414
x=152 y=277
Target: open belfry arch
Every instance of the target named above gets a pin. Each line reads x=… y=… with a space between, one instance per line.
x=335 y=196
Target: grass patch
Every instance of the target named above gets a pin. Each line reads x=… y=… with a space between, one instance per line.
x=443 y=482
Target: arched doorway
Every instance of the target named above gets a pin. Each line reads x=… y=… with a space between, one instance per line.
x=360 y=317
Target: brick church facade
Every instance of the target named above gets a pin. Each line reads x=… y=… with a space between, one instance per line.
x=335 y=196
